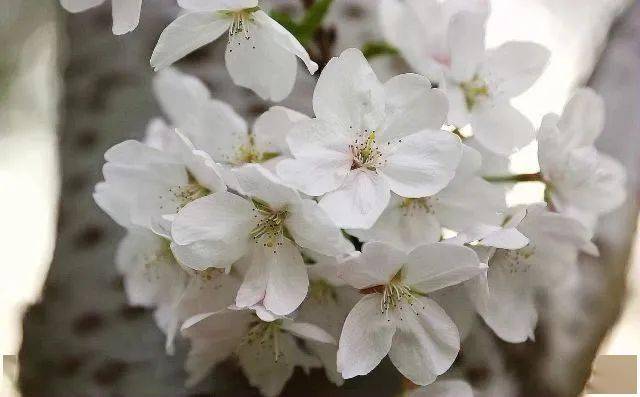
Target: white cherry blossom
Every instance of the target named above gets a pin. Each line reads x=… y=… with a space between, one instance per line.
x=126 y=13
x=480 y=84
x=154 y=278
x=265 y=345
x=145 y=185
x=261 y=54
x=505 y=296
x=215 y=128
x=395 y=317
x=327 y=304
x=369 y=139
x=265 y=230
x=466 y=202
x=419 y=30
x=583 y=181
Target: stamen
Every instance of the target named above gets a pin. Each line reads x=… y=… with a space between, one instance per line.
x=270 y=229
x=474 y=90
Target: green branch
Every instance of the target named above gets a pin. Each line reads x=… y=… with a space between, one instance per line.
x=536 y=177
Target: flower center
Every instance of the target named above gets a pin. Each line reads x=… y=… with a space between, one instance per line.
x=184 y=194
x=410 y=205
x=265 y=333
x=365 y=152
x=270 y=228
x=395 y=294
x=249 y=153
x=240 y=24
x=474 y=90
x=516 y=260
x=322 y=292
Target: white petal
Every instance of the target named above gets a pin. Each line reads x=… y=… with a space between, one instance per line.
x=359 y=201
x=204 y=355
x=348 y=93
x=254 y=284
x=284 y=39
x=444 y=388
x=509 y=238
x=467 y=202
x=426 y=342
x=466 y=44
x=457 y=305
x=365 y=339
x=186 y=34
x=202 y=255
x=179 y=95
x=219 y=216
x=513 y=67
x=79 y=5
x=402 y=227
x=216 y=5
x=287 y=280
x=260 y=63
x=272 y=127
x=376 y=265
x=312 y=228
x=323 y=158
x=257 y=182
x=583 y=118
x=114 y=202
x=270 y=376
x=308 y=331
x=439 y=265
x=511 y=311
x=459 y=115
x=411 y=106
x=422 y=164
x=126 y=15
x=592 y=182
x=501 y=128
x=218 y=130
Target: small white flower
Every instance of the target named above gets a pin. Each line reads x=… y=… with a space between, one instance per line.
x=369 y=139
x=395 y=317
x=145 y=185
x=505 y=296
x=261 y=54
x=466 y=202
x=215 y=128
x=153 y=278
x=419 y=30
x=266 y=229
x=480 y=84
x=327 y=304
x=444 y=388
x=126 y=13
x=266 y=346
x=583 y=181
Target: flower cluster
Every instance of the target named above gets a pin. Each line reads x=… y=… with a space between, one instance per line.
x=366 y=231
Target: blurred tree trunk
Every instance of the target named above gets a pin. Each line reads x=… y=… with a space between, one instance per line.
x=84 y=340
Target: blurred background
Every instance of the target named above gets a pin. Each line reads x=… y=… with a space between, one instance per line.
x=595 y=42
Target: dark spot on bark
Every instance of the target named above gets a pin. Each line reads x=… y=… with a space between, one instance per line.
x=477 y=375
x=87 y=323
x=110 y=372
x=87 y=138
x=132 y=312
x=70 y=365
x=103 y=86
x=102 y=20
x=75 y=183
x=117 y=283
x=354 y=11
x=256 y=109
x=89 y=236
